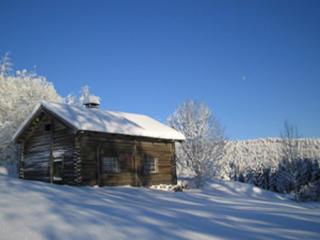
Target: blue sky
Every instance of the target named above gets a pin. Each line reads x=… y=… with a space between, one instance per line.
x=255 y=63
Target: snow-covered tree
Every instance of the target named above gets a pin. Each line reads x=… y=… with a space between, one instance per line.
x=85 y=94
x=5 y=65
x=201 y=154
x=264 y=163
x=291 y=166
x=310 y=191
x=19 y=92
x=71 y=99
x=290 y=141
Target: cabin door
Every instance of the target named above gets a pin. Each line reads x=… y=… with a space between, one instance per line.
x=57 y=170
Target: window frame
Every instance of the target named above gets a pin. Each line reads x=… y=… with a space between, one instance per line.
x=58 y=170
x=155 y=163
x=115 y=165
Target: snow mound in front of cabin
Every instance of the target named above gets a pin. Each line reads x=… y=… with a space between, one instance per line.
x=238 y=189
x=220 y=210
x=3 y=170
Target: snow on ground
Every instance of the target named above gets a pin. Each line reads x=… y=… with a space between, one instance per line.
x=3 y=170
x=222 y=210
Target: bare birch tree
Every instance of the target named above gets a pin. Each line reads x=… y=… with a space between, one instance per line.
x=290 y=165
x=202 y=152
x=290 y=141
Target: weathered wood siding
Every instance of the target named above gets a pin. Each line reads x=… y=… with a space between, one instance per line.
x=42 y=148
x=130 y=152
x=94 y=147
x=87 y=159
x=36 y=151
x=63 y=147
x=164 y=153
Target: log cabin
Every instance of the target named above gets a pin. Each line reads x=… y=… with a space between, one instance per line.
x=85 y=145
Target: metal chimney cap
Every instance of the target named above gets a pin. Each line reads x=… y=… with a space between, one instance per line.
x=91 y=101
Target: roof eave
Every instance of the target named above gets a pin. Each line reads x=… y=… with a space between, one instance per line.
x=37 y=109
x=26 y=122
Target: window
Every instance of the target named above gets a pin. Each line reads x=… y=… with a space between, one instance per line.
x=150 y=164
x=110 y=165
x=47 y=127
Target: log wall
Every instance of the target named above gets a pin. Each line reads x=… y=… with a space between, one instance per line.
x=42 y=147
x=63 y=148
x=36 y=151
x=130 y=152
x=164 y=153
x=80 y=156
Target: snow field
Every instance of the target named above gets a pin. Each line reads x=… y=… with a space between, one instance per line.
x=221 y=210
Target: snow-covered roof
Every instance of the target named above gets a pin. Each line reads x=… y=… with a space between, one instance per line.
x=98 y=120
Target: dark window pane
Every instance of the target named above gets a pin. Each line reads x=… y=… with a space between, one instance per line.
x=47 y=127
x=150 y=164
x=110 y=165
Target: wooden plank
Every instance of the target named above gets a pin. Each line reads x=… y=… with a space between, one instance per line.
x=51 y=150
x=77 y=160
x=135 y=159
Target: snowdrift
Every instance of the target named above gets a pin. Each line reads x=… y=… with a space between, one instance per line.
x=221 y=210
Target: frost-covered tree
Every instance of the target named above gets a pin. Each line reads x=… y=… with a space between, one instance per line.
x=309 y=181
x=71 y=99
x=5 y=65
x=201 y=154
x=20 y=92
x=290 y=167
x=264 y=163
x=290 y=141
x=310 y=192
x=85 y=94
